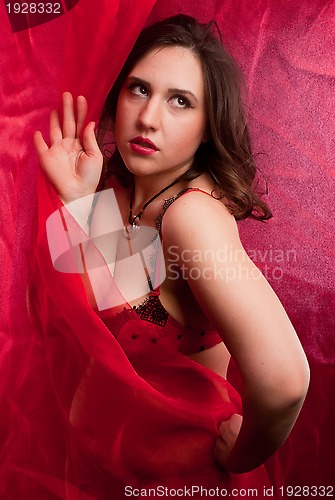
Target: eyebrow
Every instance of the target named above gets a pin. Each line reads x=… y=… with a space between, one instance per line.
x=185 y=92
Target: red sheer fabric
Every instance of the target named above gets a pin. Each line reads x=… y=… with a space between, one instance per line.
x=287 y=55
x=130 y=413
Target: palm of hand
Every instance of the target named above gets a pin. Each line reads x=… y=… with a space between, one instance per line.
x=72 y=165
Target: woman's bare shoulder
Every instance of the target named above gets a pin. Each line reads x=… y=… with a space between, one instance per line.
x=197 y=214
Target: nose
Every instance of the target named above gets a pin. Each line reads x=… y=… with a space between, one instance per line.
x=150 y=115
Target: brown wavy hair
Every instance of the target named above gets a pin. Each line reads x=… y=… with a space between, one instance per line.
x=226 y=156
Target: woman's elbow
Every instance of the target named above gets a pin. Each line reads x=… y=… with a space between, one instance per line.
x=295 y=383
x=285 y=390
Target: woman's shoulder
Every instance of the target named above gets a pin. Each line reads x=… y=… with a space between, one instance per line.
x=198 y=203
x=199 y=194
x=198 y=213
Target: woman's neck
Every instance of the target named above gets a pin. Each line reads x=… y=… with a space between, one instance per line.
x=148 y=186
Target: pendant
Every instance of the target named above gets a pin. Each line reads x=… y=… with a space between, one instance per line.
x=131 y=230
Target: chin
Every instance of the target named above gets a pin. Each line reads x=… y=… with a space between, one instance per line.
x=140 y=172
x=141 y=167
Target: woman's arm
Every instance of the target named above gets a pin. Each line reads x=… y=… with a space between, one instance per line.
x=252 y=323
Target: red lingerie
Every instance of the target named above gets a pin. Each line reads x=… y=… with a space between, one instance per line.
x=128 y=409
x=159 y=328
x=162 y=327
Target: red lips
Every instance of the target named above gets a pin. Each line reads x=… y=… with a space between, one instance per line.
x=144 y=142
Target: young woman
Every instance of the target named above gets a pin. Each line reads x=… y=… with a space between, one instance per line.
x=182 y=166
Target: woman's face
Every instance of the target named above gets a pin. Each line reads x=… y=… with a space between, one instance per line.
x=161 y=116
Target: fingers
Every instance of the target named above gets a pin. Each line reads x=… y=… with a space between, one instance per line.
x=39 y=143
x=235 y=423
x=228 y=431
x=69 y=123
x=231 y=427
x=89 y=141
x=55 y=130
x=81 y=114
x=71 y=127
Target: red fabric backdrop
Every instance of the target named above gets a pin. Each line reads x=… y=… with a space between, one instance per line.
x=287 y=53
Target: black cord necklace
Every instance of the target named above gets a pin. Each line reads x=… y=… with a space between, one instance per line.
x=133 y=225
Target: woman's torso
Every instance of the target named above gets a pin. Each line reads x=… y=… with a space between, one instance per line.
x=173 y=300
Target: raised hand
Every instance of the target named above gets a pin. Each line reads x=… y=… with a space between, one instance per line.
x=72 y=165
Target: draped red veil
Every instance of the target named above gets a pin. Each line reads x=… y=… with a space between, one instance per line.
x=287 y=55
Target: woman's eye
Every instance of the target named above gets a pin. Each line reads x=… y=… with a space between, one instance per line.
x=138 y=90
x=180 y=101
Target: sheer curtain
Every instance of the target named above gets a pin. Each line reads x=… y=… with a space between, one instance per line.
x=286 y=52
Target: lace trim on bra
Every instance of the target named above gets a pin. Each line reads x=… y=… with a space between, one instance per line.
x=165 y=206
x=151 y=309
